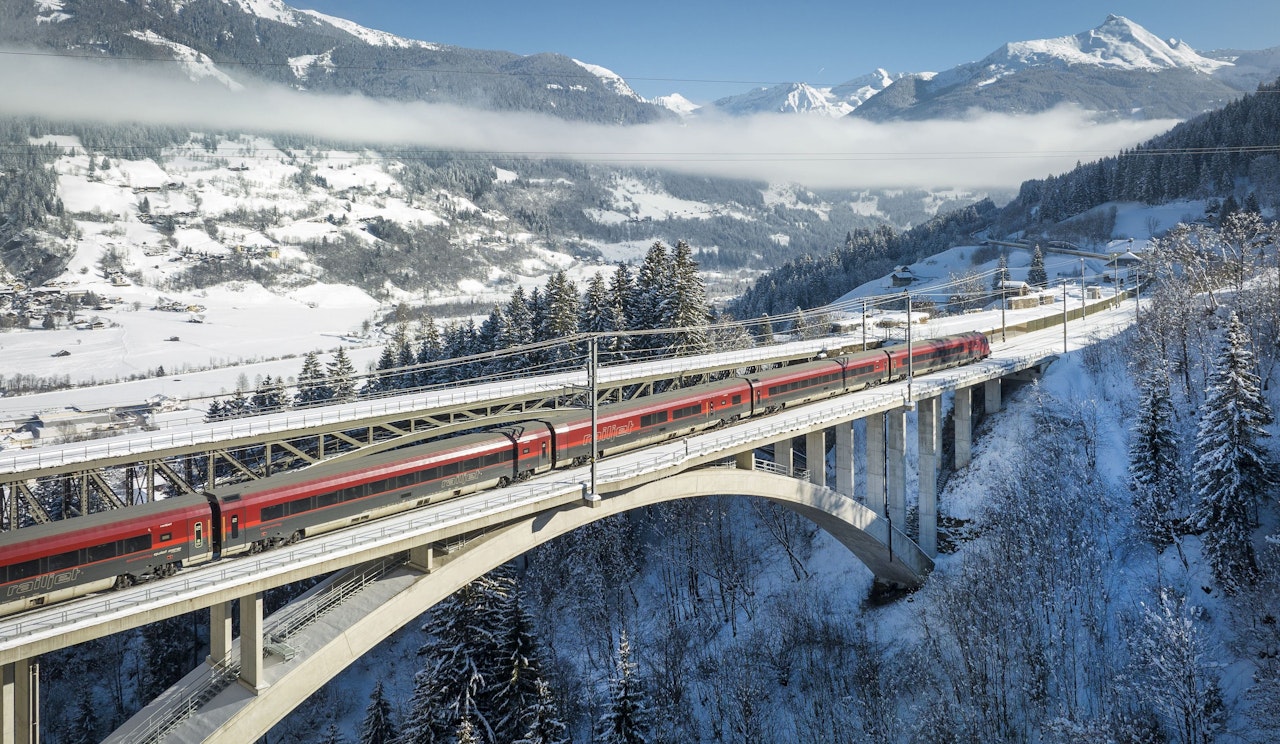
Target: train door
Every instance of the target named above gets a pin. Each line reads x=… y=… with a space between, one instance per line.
x=200 y=541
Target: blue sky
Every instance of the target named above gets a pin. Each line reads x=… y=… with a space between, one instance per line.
x=711 y=49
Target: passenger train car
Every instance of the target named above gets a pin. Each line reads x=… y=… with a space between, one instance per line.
x=54 y=562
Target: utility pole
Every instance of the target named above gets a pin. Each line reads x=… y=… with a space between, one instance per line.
x=910 y=364
x=1084 y=307
x=864 y=325
x=1003 y=302
x=595 y=408
x=1064 y=316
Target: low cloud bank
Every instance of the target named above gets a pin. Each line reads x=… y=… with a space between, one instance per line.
x=982 y=151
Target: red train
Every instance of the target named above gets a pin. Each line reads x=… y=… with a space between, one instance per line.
x=53 y=562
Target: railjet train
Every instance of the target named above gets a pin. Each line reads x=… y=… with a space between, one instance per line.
x=50 y=563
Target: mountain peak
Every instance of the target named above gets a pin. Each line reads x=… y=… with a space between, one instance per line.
x=1118 y=43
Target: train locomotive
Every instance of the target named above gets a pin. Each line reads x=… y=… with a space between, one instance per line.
x=54 y=562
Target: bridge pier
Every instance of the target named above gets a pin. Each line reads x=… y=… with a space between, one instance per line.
x=251 y=643
x=745 y=460
x=20 y=702
x=963 y=419
x=896 y=470
x=815 y=449
x=928 y=415
x=991 y=388
x=877 y=495
x=844 y=458
x=423 y=558
x=784 y=455
x=219 y=633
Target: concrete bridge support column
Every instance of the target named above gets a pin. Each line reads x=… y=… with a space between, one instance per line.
x=784 y=455
x=423 y=558
x=896 y=465
x=928 y=420
x=745 y=460
x=20 y=702
x=877 y=497
x=963 y=408
x=844 y=458
x=815 y=448
x=251 y=642
x=992 y=391
x=219 y=633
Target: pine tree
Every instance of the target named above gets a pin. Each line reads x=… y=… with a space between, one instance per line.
x=214 y=411
x=684 y=307
x=490 y=338
x=652 y=284
x=332 y=735
x=543 y=724
x=381 y=382
x=519 y=332
x=463 y=664
x=269 y=397
x=1036 y=275
x=378 y=728
x=1231 y=470
x=627 y=719
x=1155 y=471
x=311 y=382
x=342 y=378
x=601 y=316
x=517 y=685
x=430 y=350
x=560 y=321
x=1002 y=273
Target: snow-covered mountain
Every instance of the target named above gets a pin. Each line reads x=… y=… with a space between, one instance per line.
x=1118 y=68
x=802 y=98
x=235 y=43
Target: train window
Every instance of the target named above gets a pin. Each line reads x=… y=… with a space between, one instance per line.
x=470 y=464
x=166 y=537
x=490 y=460
x=136 y=544
x=449 y=469
x=102 y=552
x=328 y=499
x=232 y=497
x=199 y=535
x=654 y=418
x=23 y=570
x=298 y=506
x=273 y=512
x=737 y=400
x=64 y=560
x=687 y=411
x=405 y=480
x=524 y=450
x=235 y=526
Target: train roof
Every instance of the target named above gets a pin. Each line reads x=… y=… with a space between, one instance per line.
x=370 y=467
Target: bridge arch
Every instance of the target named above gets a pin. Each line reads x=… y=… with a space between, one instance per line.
x=245 y=716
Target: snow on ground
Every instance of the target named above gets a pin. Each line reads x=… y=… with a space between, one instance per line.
x=635 y=200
